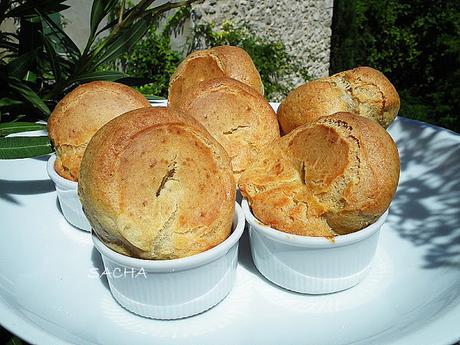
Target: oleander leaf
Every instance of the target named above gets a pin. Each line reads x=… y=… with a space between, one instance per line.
x=120 y=43
x=99 y=75
x=100 y=9
x=5 y=102
x=64 y=40
x=14 y=340
x=27 y=8
x=17 y=127
x=24 y=147
x=53 y=58
x=18 y=67
x=29 y=95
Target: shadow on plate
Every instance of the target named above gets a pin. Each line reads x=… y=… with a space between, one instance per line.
x=245 y=260
x=44 y=158
x=96 y=259
x=10 y=188
x=426 y=209
x=244 y=252
x=58 y=207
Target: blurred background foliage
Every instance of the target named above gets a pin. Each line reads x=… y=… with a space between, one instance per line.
x=153 y=61
x=270 y=57
x=415 y=43
x=40 y=63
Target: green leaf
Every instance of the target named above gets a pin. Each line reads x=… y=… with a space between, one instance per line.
x=29 y=95
x=100 y=9
x=13 y=47
x=24 y=147
x=97 y=14
x=14 y=341
x=46 y=6
x=19 y=66
x=17 y=127
x=30 y=76
x=98 y=75
x=8 y=40
x=53 y=58
x=5 y=102
x=66 y=42
x=120 y=43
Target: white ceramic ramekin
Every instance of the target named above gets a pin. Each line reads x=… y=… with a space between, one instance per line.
x=177 y=288
x=313 y=265
x=67 y=192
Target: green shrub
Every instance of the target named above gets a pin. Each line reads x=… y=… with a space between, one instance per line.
x=415 y=43
x=40 y=63
x=275 y=65
x=153 y=60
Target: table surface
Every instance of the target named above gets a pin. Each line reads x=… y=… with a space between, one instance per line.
x=416 y=261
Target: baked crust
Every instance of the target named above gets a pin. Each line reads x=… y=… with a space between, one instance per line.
x=217 y=62
x=364 y=91
x=236 y=115
x=154 y=184
x=333 y=176
x=80 y=114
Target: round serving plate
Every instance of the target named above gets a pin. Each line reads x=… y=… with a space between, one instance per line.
x=53 y=288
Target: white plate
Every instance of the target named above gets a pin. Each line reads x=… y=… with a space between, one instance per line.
x=50 y=291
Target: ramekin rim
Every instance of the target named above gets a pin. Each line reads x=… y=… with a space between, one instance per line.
x=311 y=241
x=58 y=179
x=177 y=264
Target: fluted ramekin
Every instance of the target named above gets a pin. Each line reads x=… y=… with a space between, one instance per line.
x=312 y=265
x=177 y=288
x=67 y=192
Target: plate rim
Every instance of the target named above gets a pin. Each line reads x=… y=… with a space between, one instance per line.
x=23 y=327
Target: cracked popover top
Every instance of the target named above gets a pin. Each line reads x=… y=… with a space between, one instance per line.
x=333 y=176
x=363 y=91
x=217 y=62
x=236 y=115
x=80 y=114
x=155 y=184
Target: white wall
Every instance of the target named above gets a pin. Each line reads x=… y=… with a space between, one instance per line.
x=76 y=21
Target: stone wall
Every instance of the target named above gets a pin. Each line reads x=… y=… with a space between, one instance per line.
x=303 y=26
